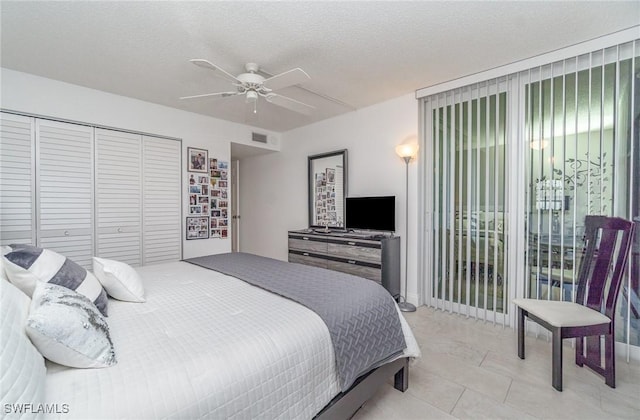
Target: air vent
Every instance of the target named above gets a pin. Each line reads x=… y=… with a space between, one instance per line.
x=260 y=138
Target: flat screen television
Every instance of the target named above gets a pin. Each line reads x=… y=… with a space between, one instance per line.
x=371 y=213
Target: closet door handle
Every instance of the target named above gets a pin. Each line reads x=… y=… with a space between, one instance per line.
x=66 y=233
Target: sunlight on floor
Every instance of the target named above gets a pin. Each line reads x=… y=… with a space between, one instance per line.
x=470 y=370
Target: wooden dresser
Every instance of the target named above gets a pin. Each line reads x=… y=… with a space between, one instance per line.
x=375 y=257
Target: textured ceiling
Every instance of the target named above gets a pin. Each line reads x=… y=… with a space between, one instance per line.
x=359 y=53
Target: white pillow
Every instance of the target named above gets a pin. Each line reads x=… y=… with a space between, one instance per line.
x=5 y=249
x=119 y=279
x=22 y=366
x=68 y=329
x=27 y=265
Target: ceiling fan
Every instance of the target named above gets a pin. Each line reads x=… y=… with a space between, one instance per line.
x=253 y=86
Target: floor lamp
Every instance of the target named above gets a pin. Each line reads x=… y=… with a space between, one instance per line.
x=406 y=152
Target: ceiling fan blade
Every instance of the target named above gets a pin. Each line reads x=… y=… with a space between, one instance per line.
x=200 y=62
x=221 y=94
x=288 y=78
x=289 y=103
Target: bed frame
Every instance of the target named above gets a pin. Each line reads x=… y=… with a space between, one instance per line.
x=345 y=404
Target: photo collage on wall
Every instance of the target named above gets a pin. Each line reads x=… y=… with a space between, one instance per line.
x=198 y=188
x=326 y=197
x=219 y=176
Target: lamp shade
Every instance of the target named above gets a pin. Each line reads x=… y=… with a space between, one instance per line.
x=407 y=150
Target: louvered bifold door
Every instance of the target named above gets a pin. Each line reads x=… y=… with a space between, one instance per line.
x=162 y=238
x=64 y=185
x=17 y=179
x=118 y=196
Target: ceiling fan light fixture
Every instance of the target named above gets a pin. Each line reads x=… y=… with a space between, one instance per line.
x=252 y=96
x=253 y=85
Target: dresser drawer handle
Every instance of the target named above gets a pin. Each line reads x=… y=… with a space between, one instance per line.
x=351 y=243
x=306 y=254
x=351 y=261
x=304 y=238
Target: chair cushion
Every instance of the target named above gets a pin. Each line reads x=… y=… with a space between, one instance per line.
x=562 y=314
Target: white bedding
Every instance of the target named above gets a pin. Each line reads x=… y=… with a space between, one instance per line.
x=206 y=345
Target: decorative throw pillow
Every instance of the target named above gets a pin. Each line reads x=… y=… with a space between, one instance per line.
x=119 y=279
x=26 y=265
x=68 y=329
x=23 y=371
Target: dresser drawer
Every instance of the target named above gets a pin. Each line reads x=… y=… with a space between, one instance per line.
x=307 y=260
x=308 y=245
x=370 y=273
x=353 y=251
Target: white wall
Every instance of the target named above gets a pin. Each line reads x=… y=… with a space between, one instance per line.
x=273 y=189
x=36 y=95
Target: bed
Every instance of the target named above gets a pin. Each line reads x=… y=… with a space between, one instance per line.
x=206 y=344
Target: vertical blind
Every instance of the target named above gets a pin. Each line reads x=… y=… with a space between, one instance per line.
x=467 y=128
x=518 y=162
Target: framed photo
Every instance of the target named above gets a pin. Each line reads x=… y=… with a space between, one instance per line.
x=195 y=189
x=197 y=228
x=198 y=159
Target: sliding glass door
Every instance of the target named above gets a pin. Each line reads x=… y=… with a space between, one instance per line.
x=468 y=243
x=581 y=124
x=512 y=167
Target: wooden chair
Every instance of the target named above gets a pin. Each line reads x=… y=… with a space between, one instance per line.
x=607 y=246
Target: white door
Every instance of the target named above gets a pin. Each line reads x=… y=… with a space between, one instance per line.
x=64 y=183
x=235 y=209
x=17 y=179
x=119 y=196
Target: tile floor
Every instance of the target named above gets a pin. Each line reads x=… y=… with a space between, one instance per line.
x=470 y=370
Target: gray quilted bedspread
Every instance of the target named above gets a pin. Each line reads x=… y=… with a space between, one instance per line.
x=360 y=314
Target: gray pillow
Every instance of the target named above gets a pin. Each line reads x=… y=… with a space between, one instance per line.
x=27 y=265
x=68 y=329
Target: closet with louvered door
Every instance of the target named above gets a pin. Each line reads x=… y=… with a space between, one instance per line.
x=17 y=180
x=161 y=192
x=64 y=189
x=118 y=196
x=84 y=191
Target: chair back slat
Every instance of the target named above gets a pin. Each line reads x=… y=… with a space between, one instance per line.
x=606 y=251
